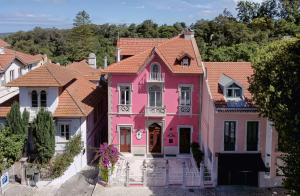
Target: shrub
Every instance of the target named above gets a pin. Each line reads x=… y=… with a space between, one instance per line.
x=11 y=147
x=62 y=161
x=197 y=153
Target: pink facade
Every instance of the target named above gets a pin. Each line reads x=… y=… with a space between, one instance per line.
x=139 y=121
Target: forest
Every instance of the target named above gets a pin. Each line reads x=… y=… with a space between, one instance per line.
x=224 y=38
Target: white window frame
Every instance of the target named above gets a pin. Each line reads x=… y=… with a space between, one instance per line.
x=233 y=92
x=162 y=100
x=60 y=132
x=130 y=93
x=191 y=86
x=185 y=61
x=11 y=75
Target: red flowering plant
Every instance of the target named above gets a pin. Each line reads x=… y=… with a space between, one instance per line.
x=109 y=155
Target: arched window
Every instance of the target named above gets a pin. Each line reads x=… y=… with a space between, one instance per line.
x=34 y=99
x=155 y=72
x=43 y=99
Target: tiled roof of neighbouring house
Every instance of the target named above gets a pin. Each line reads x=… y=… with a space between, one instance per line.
x=82 y=68
x=44 y=76
x=10 y=55
x=133 y=46
x=77 y=95
x=3 y=43
x=5 y=106
x=168 y=51
x=237 y=71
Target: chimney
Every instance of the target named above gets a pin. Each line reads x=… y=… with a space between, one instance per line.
x=188 y=34
x=2 y=50
x=92 y=60
x=118 y=54
x=105 y=61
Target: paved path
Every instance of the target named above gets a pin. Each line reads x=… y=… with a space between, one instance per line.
x=177 y=191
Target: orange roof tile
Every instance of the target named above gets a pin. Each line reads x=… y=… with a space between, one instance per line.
x=5 y=106
x=133 y=46
x=238 y=71
x=44 y=76
x=168 y=51
x=10 y=55
x=3 y=43
x=83 y=69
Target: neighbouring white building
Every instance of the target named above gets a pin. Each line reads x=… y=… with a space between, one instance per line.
x=77 y=105
x=14 y=64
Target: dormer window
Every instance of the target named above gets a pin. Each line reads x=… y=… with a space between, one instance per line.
x=185 y=62
x=233 y=91
x=184 y=59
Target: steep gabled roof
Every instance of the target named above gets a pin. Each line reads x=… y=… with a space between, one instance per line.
x=168 y=51
x=133 y=46
x=235 y=71
x=10 y=55
x=44 y=76
x=82 y=68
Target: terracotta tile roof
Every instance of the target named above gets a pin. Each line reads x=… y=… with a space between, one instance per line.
x=3 y=43
x=78 y=99
x=133 y=46
x=5 y=106
x=168 y=51
x=44 y=76
x=238 y=71
x=10 y=55
x=83 y=69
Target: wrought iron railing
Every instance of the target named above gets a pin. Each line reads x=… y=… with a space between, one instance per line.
x=124 y=109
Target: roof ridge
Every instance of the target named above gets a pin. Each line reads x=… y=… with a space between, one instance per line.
x=75 y=102
x=52 y=74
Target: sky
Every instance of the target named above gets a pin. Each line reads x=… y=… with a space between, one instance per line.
x=16 y=15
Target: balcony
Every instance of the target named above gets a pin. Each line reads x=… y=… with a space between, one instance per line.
x=156 y=77
x=124 y=109
x=33 y=111
x=157 y=111
x=185 y=109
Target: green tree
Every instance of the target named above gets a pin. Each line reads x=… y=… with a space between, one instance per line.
x=81 y=18
x=247 y=11
x=17 y=122
x=275 y=86
x=44 y=136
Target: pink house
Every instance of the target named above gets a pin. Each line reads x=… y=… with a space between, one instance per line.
x=239 y=145
x=162 y=97
x=154 y=97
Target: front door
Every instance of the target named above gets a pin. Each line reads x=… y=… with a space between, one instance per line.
x=184 y=140
x=155 y=138
x=125 y=139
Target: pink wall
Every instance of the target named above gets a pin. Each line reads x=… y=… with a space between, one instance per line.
x=241 y=130
x=140 y=101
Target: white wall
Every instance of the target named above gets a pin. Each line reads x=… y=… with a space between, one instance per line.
x=14 y=66
x=25 y=98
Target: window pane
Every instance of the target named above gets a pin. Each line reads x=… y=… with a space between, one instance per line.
x=252 y=136
x=188 y=97
x=237 y=92
x=34 y=99
x=67 y=132
x=62 y=130
x=43 y=99
x=152 y=98
x=127 y=96
x=229 y=92
x=158 y=99
x=229 y=136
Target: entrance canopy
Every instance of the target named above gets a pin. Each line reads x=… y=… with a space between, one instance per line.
x=241 y=162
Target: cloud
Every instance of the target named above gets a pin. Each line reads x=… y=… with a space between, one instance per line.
x=139 y=6
x=26 y=18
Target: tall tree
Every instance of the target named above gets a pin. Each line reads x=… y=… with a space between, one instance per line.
x=44 y=136
x=17 y=122
x=275 y=86
x=82 y=18
x=247 y=11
